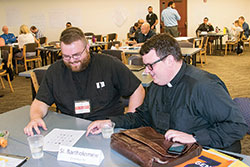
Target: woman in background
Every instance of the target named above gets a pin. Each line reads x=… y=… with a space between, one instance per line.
x=25 y=36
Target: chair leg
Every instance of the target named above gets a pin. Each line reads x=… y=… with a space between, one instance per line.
x=210 y=47
x=205 y=58
x=226 y=50
x=2 y=82
x=201 y=60
x=25 y=65
x=16 y=66
x=11 y=88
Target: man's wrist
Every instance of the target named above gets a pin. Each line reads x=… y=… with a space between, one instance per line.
x=195 y=137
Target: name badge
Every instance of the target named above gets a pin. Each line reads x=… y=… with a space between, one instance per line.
x=82 y=107
x=80 y=155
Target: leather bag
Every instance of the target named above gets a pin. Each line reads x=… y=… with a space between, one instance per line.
x=148 y=148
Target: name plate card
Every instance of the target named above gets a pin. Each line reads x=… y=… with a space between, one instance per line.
x=80 y=155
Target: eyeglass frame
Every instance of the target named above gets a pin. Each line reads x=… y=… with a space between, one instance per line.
x=150 y=65
x=74 y=56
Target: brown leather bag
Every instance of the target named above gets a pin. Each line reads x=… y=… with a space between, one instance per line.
x=148 y=148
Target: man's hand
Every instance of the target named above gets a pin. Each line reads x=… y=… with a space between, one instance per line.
x=178 y=136
x=96 y=126
x=152 y=27
x=35 y=123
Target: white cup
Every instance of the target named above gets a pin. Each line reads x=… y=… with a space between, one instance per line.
x=108 y=130
x=36 y=146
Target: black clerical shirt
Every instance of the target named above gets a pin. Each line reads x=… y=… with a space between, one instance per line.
x=195 y=102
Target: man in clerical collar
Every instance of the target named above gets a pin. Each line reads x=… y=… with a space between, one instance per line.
x=184 y=103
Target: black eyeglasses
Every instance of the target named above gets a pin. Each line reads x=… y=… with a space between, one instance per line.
x=74 y=56
x=150 y=66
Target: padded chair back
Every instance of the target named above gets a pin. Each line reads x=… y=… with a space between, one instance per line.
x=114 y=53
x=89 y=34
x=244 y=105
x=37 y=77
x=135 y=60
x=7 y=54
x=99 y=38
x=111 y=37
x=43 y=40
x=31 y=47
x=53 y=43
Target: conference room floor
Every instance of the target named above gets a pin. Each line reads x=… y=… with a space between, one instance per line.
x=232 y=69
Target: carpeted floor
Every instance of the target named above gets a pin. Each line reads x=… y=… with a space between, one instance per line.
x=232 y=69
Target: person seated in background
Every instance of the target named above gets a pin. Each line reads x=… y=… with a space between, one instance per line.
x=9 y=38
x=132 y=31
x=205 y=26
x=235 y=31
x=84 y=84
x=68 y=25
x=25 y=36
x=2 y=42
x=245 y=26
x=145 y=34
x=37 y=33
x=185 y=103
x=140 y=22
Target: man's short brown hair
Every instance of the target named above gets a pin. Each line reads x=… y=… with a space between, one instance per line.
x=164 y=45
x=72 y=34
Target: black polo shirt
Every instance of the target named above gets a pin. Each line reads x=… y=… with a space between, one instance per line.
x=102 y=83
x=141 y=38
x=151 y=19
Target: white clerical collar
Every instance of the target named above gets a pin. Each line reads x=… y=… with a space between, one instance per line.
x=170 y=85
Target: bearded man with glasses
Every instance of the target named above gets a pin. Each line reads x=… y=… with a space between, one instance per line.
x=83 y=84
x=184 y=103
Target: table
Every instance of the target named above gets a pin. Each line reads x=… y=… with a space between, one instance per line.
x=18 y=143
x=52 y=50
x=178 y=39
x=186 y=52
x=14 y=121
x=215 y=34
x=190 y=53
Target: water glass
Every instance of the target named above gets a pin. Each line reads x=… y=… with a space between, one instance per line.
x=36 y=146
x=108 y=130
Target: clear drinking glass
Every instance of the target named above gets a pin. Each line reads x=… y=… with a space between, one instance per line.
x=108 y=130
x=36 y=146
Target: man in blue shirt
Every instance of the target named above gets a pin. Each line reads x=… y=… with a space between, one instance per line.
x=8 y=37
x=170 y=16
x=245 y=26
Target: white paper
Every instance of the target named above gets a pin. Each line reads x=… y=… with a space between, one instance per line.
x=65 y=137
x=9 y=161
x=80 y=155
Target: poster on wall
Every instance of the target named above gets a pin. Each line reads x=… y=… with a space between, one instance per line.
x=120 y=16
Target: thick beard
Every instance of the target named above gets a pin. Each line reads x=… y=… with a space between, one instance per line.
x=84 y=64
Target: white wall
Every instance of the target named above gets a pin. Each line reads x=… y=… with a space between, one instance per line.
x=98 y=16
x=221 y=13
